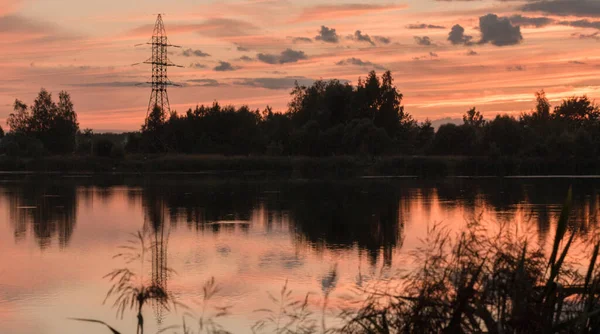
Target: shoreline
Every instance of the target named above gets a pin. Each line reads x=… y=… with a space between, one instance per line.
x=383 y=167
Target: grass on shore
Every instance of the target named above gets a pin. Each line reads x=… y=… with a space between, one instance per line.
x=305 y=167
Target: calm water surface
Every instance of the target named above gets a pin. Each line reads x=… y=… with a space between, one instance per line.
x=58 y=237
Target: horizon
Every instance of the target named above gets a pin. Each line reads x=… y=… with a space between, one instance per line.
x=251 y=52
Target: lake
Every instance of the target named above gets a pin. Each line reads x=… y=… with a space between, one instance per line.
x=59 y=236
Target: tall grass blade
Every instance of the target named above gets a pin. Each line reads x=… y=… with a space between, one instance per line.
x=114 y=331
x=561 y=227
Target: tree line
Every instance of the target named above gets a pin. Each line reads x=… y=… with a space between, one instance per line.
x=325 y=119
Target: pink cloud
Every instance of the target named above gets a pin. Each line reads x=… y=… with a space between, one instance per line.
x=212 y=27
x=329 y=12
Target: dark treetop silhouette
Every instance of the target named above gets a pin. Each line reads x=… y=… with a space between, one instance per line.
x=327 y=118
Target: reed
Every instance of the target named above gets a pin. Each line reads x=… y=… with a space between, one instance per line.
x=468 y=282
x=479 y=282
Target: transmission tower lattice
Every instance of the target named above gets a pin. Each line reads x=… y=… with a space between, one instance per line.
x=160 y=62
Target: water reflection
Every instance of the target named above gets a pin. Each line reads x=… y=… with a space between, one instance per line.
x=344 y=215
x=320 y=214
x=250 y=235
x=370 y=215
x=48 y=210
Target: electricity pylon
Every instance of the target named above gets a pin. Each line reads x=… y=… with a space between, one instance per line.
x=160 y=62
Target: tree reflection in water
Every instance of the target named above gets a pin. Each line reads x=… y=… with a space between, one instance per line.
x=365 y=216
x=46 y=209
x=370 y=215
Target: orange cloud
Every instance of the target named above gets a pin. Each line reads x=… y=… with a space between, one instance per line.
x=212 y=27
x=9 y=6
x=329 y=12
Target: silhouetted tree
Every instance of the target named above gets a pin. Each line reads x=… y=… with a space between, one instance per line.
x=577 y=111
x=505 y=133
x=155 y=120
x=390 y=115
x=54 y=125
x=305 y=141
x=276 y=127
x=334 y=117
x=473 y=118
x=19 y=120
x=542 y=108
x=43 y=111
x=327 y=103
x=425 y=136
x=449 y=140
x=584 y=145
x=153 y=130
x=319 y=117
x=362 y=136
x=65 y=127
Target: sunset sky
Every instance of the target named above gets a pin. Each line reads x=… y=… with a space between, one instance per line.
x=446 y=56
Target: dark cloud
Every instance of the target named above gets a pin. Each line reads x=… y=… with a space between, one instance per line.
x=246 y=58
x=291 y=56
x=472 y=53
x=424 y=26
x=585 y=8
x=327 y=35
x=576 y=62
x=582 y=24
x=525 y=21
x=225 y=66
x=197 y=65
x=296 y=40
x=595 y=36
x=359 y=37
x=457 y=36
x=499 y=31
x=268 y=58
x=516 y=68
x=382 y=39
x=194 y=53
x=203 y=83
x=359 y=62
x=109 y=84
x=286 y=56
x=431 y=56
x=424 y=41
x=242 y=49
x=275 y=83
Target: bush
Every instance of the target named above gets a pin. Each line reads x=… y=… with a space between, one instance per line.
x=16 y=145
x=117 y=152
x=448 y=140
x=134 y=142
x=103 y=148
x=84 y=147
